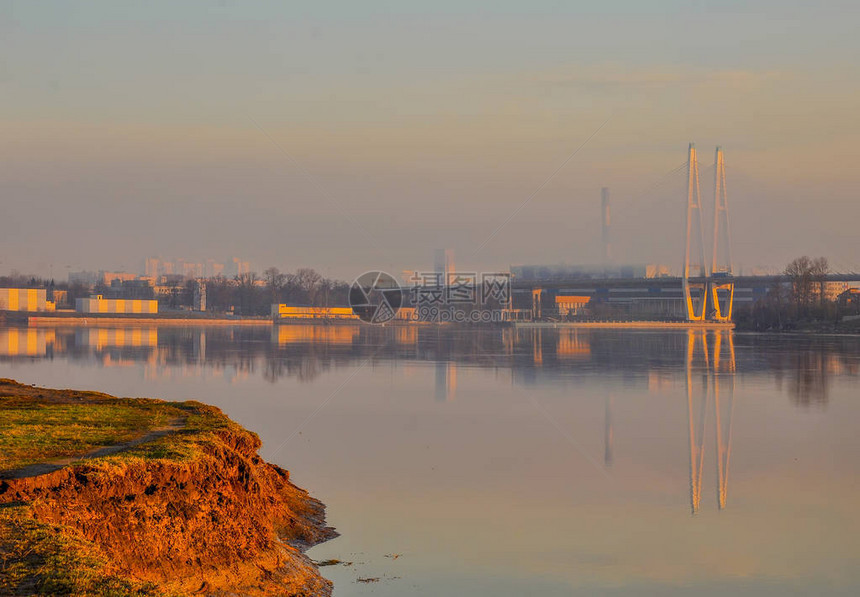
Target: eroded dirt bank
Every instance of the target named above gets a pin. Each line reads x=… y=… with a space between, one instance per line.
x=199 y=513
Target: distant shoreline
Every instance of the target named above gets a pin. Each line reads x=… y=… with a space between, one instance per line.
x=644 y=325
x=78 y=320
x=161 y=320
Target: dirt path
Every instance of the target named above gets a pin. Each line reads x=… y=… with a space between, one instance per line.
x=49 y=466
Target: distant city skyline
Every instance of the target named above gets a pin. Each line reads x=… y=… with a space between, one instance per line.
x=353 y=137
x=156 y=267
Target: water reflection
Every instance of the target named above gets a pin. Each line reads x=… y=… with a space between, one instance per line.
x=477 y=453
x=607 y=430
x=26 y=342
x=446 y=381
x=305 y=352
x=706 y=360
x=715 y=379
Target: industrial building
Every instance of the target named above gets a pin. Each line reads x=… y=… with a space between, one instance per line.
x=569 y=306
x=443 y=264
x=283 y=311
x=851 y=296
x=23 y=299
x=99 y=304
x=553 y=273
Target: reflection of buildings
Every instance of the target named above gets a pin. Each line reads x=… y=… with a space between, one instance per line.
x=808 y=371
x=25 y=342
x=572 y=344
x=118 y=347
x=538 y=355
x=608 y=433
x=808 y=375
x=446 y=381
x=284 y=335
x=660 y=380
x=101 y=338
x=655 y=361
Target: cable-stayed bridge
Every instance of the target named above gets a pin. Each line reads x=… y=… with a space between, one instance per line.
x=707 y=290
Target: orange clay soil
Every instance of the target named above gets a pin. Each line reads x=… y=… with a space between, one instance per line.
x=196 y=512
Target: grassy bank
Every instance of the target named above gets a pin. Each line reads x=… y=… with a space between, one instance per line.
x=144 y=497
x=40 y=425
x=32 y=432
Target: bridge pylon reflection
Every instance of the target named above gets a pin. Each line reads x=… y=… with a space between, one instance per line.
x=717 y=379
x=608 y=432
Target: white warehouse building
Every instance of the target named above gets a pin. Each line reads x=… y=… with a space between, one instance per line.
x=99 y=304
x=22 y=299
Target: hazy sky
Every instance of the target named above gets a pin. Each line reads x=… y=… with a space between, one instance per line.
x=358 y=135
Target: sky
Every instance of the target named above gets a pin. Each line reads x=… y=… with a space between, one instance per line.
x=352 y=136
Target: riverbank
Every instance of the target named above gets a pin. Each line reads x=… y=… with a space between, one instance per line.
x=155 y=320
x=630 y=325
x=848 y=326
x=109 y=496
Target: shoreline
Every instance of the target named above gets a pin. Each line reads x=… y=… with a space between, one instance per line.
x=631 y=325
x=77 y=321
x=163 y=320
x=160 y=321
x=805 y=334
x=175 y=500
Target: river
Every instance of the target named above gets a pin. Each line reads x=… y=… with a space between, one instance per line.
x=509 y=462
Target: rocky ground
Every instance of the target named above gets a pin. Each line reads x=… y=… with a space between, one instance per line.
x=178 y=509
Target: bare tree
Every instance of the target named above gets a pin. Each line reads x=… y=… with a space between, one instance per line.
x=800 y=272
x=275 y=282
x=818 y=272
x=246 y=287
x=308 y=281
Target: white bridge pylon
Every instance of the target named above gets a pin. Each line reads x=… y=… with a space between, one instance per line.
x=710 y=296
x=695 y=294
x=722 y=291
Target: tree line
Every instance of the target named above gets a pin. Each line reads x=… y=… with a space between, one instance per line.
x=250 y=294
x=247 y=294
x=802 y=301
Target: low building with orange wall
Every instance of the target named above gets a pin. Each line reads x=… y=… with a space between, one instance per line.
x=22 y=299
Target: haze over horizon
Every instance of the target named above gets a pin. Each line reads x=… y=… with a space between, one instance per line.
x=285 y=135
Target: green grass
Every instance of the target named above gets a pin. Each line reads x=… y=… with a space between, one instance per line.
x=39 y=559
x=38 y=425
x=33 y=432
x=201 y=421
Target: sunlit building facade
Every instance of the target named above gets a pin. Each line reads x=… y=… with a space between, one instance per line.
x=22 y=299
x=99 y=304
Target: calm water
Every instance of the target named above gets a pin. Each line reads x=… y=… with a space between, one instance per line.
x=527 y=462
